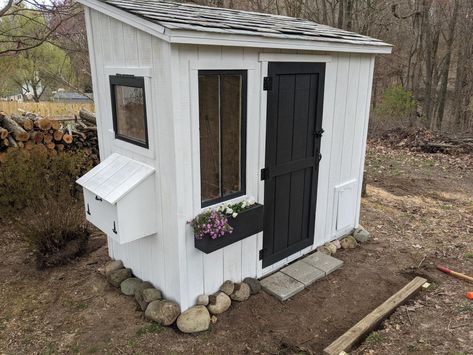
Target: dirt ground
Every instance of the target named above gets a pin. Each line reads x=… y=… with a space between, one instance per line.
x=419 y=210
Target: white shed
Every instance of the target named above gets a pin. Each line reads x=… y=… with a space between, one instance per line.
x=199 y=107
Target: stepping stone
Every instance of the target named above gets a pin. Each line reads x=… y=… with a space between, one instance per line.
x=323 y=262
x=303 y=272
x=281 y=286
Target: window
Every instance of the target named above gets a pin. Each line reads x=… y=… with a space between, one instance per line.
x=222 y=125
x=129 y=109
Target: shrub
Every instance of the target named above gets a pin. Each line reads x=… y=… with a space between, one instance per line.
x=397 y=103
x=38 y=193
x=55 y=230
x=30 y=176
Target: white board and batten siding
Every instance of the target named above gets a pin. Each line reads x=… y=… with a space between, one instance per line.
x=169 y=259
x=116 y=47
x=339 y=185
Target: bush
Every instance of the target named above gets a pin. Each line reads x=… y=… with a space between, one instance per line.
x=30 y=176
x=397 y=103
x=38 y=193
x=55 y=231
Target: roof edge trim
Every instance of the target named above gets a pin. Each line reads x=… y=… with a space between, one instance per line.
x=130 y=19
x=237 y=40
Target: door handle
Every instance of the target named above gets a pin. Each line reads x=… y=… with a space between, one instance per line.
x=114 y=230
x=98 y=198
x=88 y=210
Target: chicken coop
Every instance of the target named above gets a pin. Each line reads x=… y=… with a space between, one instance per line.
x=201 y=108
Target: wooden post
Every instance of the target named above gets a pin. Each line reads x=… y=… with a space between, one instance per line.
x=354 y=334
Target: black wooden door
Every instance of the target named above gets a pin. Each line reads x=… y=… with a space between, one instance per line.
x=293 y=134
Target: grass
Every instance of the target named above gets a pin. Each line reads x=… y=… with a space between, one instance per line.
x=469 y=255
x=149 y=328
x=374 y=338
x=75 y=305
x=45 y=108
x=466 y=307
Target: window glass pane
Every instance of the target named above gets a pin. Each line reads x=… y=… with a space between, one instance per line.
x=209 y=123
x=231 y=136
x=130 y=112
x=221 y=129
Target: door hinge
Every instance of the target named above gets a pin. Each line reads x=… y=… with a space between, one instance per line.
x=268 y=83
x=261 y=254
x=319 y=133
x=264 y=174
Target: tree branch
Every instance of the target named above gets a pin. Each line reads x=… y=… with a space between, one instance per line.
x=6 y=7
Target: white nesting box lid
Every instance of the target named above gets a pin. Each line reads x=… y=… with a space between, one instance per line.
x=113 y=178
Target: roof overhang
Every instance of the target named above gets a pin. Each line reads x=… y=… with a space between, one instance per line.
x=228 y=39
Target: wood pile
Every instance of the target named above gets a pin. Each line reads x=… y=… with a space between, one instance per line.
x=54 y=135
x=427 y=141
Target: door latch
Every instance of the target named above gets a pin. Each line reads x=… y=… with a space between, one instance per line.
x=319 y=133
x=264 y=174
x=114 y=230
x=268 y=83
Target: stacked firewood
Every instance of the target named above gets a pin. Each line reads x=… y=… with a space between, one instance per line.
x=27 y=130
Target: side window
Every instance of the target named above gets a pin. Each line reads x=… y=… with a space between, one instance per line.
x=129 y=109
x=222 y=126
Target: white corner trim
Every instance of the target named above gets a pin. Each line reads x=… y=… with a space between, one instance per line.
x=286 y=57
x=125 y=17
x=137 y=71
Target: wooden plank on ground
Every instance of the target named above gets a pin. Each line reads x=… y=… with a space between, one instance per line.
x=353 y=335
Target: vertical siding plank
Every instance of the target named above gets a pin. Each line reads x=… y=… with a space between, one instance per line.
x=349 y=136
x=213 y=263
x=195 y=267
x=323 y=189
x=336 y=140
x=366 y=114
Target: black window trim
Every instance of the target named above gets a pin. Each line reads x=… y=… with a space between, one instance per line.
x=244 y=100
x=131 y=81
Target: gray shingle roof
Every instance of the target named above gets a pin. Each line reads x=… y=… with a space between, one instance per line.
x=179 y=16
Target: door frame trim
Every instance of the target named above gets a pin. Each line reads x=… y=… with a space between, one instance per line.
x=263 y=98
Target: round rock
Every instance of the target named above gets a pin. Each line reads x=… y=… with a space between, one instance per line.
x=227 y=287
x=219 y=303
x=361 y=235
x=254 y=284
x=139 y=294
x=241 y=292
x=118 y=276
x=112 y=266
x=151 y=294
x=337 y=244
x=163 y=312
x=348 y=242
x=331 y=247
x=323 y=249
x=203 y=300
x=129 y=286
x=194 y=320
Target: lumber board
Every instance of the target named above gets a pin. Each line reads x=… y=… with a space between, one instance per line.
x=355 y=333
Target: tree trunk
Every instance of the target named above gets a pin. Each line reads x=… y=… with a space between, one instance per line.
x=446 y=67
x=88 y=116
x=24 y=122
x=14 y=128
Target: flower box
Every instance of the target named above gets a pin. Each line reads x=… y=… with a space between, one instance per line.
x=246 y=224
